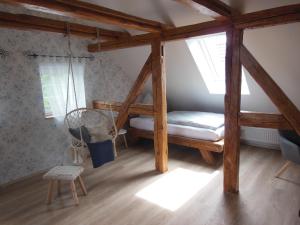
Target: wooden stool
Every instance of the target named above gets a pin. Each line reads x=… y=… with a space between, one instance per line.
x=65 y=173
x=123 y=132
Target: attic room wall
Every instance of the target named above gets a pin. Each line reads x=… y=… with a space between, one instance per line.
x=30 y=143
x=276 y=48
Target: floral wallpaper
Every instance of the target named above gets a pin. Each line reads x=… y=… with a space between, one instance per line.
x=30 y=143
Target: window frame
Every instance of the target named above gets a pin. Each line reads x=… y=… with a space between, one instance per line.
x=205 y=60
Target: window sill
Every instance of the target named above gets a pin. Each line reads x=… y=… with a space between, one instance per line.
x=49 y=117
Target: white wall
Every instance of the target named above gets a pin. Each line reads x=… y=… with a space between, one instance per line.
x=29 y=142
x=276 y=48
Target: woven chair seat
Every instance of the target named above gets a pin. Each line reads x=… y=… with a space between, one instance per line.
x=68 y=173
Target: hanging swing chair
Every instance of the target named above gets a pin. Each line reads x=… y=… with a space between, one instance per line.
x=88 y=127
x=92 y=131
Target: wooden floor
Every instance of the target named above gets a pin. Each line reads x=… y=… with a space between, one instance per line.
x=112 y=198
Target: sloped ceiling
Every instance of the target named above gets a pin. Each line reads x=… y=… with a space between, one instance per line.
x=276 y=48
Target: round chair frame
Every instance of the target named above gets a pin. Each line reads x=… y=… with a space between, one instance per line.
x=73 y=119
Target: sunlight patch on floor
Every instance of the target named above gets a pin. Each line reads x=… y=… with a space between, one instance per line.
x=175 y=188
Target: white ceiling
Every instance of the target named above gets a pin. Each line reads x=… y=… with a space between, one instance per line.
x=276 y=48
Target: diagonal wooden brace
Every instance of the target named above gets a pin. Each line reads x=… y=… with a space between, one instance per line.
x=134 y=93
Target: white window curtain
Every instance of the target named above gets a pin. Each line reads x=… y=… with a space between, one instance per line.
x=56 y=70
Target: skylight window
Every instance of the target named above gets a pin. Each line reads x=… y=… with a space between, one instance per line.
x=209 y=55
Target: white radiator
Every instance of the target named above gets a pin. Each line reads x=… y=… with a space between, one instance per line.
x=260 y=137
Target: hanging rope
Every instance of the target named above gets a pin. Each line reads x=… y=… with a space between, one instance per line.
x=78 y=111
x=71 y=75
x=70 y=70
x=113 y=120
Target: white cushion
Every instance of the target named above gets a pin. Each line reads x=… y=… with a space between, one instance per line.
x=122 y=131
x=63 y=173
x=205 y=120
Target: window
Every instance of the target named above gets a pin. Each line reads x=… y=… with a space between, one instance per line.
x=47 y=86
x=209 y=55
x=54 y=80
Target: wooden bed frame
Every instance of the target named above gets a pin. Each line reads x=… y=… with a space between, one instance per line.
x=205 y=147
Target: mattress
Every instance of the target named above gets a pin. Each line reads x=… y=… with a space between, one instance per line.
x=147 y=123
x=207 y=120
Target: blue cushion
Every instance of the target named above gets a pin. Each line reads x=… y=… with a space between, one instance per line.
x=84 y=131
x=101 y=152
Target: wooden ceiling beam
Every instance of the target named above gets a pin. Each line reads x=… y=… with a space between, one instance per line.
x=134 y=41
x=269 y=17
x=168 y=35
x=81 y=10
x=184 y=32
x=213 y=8
x=201 y=9
x=27 y=22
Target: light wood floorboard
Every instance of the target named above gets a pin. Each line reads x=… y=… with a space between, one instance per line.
x=111 y=198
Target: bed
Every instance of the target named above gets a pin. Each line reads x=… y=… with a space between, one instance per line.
x=203 y=131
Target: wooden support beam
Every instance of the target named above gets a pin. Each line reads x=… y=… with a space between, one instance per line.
x=134 y=93
x=265 y=120
x=277 y=96
x=134 y=41
x=184 y=32
x=82 y=10
x=201 y=9
x=217 y=6
x=141 y=109
x=232 y=110
x=172 y=34
x=269 y=17
x=27 y=22
x=160 y=106
x=134 y=109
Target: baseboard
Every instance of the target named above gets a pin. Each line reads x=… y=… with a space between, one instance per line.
x=24 y=178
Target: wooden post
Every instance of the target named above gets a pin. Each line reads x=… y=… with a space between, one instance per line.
x=232 y=110
x=160 y=106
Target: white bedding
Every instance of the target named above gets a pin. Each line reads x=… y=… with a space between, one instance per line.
x=147 y=123
x=206 y=120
